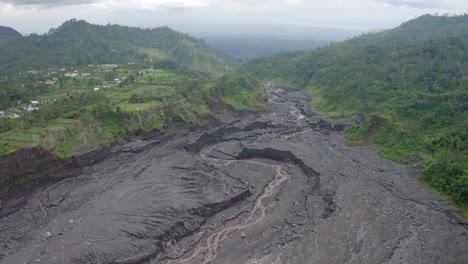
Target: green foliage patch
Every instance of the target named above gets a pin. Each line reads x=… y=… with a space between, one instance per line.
x=78 y=43
x=138 y=103
x=240 y=91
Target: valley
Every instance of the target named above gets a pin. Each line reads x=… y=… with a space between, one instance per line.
x=261 y=191
x=127 y=145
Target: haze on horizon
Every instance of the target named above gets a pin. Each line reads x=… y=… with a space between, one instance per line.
x=38 y=16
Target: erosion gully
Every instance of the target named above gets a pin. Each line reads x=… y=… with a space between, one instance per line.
x=280 y=188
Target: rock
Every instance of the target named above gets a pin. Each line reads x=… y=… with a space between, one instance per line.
x=55 y=204
x=196 y=142
x=47 y=234
x=229 y=119
x=90 y=157
x=226 y=151
x=358 y=118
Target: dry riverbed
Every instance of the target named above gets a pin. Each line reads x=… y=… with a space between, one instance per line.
x=283 y=188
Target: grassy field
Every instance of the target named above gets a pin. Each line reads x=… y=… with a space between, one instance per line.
x=129 y=102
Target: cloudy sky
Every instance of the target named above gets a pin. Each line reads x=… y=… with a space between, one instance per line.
x=39 y=16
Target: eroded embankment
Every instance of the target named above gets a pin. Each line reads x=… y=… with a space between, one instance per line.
x=27 y=169
x=282 y=156
x=206 y=250
x=209 y=251
x=31 y=167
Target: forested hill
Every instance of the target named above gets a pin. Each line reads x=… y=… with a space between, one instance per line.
x=411 y=82
x=423 y=28
x=298 y=67
x=78 y=43
x=8 y=32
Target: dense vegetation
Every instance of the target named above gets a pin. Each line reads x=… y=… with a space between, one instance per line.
x=81 y=118
x=412 y=81
x=81 y=86
x=8 y=32
x=78 y=43
x=240 y=91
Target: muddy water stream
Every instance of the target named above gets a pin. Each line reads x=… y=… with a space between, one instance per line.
x=207 y=249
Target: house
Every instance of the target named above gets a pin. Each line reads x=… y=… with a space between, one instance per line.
x=12 y=115
x=31 y=108
x=71 y=75
x=43 y=101
x=110 y=65
x=97 y=89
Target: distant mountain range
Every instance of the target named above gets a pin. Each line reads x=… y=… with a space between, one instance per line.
x=77 y=43
x=8 y=32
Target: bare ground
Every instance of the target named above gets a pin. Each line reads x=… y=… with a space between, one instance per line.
x=282 y=189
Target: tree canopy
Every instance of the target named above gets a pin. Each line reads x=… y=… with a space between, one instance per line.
x=78 y=43
x=8 y=32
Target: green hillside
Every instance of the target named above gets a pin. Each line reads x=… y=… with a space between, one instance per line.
x=78 y=43
x=423 y=28
x=143 y=104
x=411 y=82
x=6 y=32
x=82 y=86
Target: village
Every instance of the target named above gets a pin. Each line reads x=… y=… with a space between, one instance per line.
x=52 y=78
x=21 y=109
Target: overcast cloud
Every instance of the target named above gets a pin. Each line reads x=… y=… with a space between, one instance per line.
x=47 y=2
x=39 y=16
x=428 y=4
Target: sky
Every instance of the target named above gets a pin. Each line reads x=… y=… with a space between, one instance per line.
x=38 y=16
